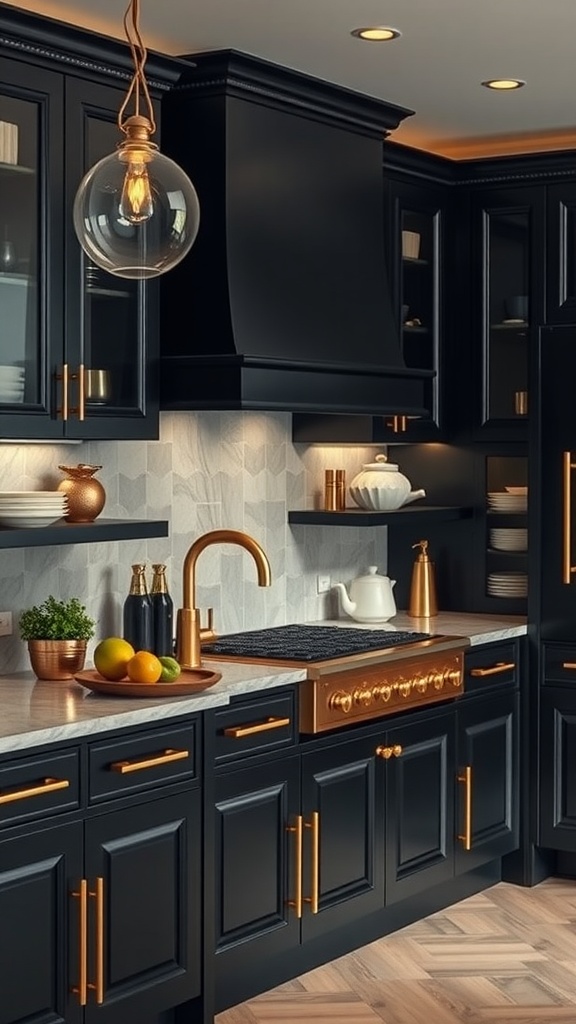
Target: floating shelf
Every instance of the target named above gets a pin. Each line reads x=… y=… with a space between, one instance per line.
x=359 y=517
x=82 y=533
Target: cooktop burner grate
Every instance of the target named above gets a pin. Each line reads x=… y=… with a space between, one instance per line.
x=309 y=643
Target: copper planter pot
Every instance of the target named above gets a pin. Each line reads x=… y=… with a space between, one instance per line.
x=57 y=659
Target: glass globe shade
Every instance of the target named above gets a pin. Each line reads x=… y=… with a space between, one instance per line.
x=158 y=229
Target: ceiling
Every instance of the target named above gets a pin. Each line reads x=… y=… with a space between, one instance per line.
x=447 y=48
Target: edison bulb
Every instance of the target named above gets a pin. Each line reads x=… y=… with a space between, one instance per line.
x=136 y=212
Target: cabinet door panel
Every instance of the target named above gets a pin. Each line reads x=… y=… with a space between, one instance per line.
x=39 y=926
x=419 y=807
x=561 y=250
x=488 y=744
x=558 y=770
x=151 y=931
x=345 y=787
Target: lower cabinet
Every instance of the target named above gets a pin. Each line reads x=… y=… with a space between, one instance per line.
x=332 y=833
x=558 y=769
x=100 y=916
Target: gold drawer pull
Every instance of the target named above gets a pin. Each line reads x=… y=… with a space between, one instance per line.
x=238 y=731
x=297 y=829
x=98 y=895
x=314 y=826
x=47 y=786
x=569 y=664
x=81 y=988
x=567 y=568
x=166 y=757
x=466 y=778
x=501 y=666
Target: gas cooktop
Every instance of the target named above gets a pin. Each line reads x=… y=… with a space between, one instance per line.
x=309 y=643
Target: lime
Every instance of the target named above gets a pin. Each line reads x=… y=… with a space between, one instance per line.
x=170 y=670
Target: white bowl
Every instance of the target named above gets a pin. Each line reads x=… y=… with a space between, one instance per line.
x=17 y=521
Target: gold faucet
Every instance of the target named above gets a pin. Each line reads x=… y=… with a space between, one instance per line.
x=189 y=631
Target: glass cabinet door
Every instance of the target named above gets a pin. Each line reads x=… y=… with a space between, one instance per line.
x=112 y=335
x=30 y=240
x=509 y=236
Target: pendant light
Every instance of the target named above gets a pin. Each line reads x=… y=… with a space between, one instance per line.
x=136 y=212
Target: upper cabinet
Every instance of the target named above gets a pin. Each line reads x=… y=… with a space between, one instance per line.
x=561 y=253
x=507 y=301
x=78 y=347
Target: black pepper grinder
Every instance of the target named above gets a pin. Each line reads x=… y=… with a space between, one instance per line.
x=162 y=613
x=138 y=622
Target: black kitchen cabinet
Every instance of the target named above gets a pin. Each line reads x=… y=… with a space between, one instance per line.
x=101 y=909
x=561 y=253
x=79 y=348
x=298 y=853
x=558 y=769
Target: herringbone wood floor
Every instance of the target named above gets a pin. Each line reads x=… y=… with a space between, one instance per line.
x=505 y=956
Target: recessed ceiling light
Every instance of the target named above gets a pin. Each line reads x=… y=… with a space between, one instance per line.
x=504 y=84
x=376 y=34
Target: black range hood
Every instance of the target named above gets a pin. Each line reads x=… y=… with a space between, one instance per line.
x=283 y=301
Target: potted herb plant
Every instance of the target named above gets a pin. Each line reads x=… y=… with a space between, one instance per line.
x=57 y=633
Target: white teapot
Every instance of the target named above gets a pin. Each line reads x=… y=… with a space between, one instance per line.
x=371 y=598
x=380 y=487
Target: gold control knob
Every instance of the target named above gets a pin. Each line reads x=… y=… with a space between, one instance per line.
x=404 y=688
x=382 y=692
x=340 y=701
x=420 y=684
x=455 y=677
x=363 y=696
x=388 y=752
x=438 y=680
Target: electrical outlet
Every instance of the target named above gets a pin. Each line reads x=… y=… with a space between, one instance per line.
x=323 y=584
x=5 y=623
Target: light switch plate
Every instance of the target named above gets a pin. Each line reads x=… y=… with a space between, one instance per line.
x=323 y=584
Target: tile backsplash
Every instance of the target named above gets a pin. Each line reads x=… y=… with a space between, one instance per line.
x=208 y=470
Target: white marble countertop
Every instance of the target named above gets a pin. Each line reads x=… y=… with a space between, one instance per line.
x=34 y=712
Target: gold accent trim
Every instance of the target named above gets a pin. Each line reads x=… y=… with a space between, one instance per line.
x=166 y=757
x=47 y=786
x=314 y=826
x=466 y=778
x=239 y=731
x=494 y=670
x=81 y=988
x=567 y=567
x=297 y=829
x=98 y=985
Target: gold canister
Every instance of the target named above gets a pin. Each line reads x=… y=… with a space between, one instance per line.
x=423 y=602
x=330 y=490
x=86 y=496
x=57 y=659
x=340 y=489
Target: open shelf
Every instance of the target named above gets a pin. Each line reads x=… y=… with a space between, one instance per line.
x=82 y=533
x=359 y=517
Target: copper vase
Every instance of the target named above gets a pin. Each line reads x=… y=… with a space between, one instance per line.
x=57 y=659
x=86 y=496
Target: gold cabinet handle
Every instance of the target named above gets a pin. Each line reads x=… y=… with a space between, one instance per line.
x=297 y=829
x=81 y=988
x=398 y=424
x=388 y=752
x=567 y=567
x=466 y=778
x=98 y=985
x=238 y=731
x=494 y=670
x=62 y=410
x=314 y=826
x=80 y=409
x=568 y=664
x=165 y=757
x=46 y=786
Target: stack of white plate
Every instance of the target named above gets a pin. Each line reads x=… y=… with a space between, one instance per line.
x=31 y=508
x=11 y=384
x=502 y=501
x=507 y=584
x=509 y=540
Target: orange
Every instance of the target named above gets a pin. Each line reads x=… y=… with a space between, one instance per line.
x=111 y=657
x=144 y=668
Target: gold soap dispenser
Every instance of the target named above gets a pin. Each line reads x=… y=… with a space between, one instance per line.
x=423 y=602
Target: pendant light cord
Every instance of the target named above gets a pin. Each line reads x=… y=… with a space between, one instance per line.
x=138 y=83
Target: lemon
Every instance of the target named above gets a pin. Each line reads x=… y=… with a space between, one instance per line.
x=170 y=670
x=111 y=657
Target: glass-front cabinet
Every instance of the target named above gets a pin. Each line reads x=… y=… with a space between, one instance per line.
x=418 y=216
x=507 y=236
x=76 y=344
